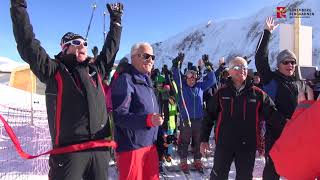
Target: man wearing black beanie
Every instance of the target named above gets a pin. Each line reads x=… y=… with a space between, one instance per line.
x=76 y=106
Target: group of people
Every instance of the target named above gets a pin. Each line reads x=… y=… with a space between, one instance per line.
x=143 y=119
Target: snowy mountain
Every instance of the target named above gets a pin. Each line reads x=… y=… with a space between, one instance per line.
x=235 y=36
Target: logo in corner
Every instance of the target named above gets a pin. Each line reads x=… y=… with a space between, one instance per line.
x=281 y=12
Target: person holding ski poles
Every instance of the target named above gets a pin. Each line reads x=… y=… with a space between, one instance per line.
x=190 y=103
x=76 y=105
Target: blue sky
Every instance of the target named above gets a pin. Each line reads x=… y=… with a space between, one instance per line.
x=143 y=20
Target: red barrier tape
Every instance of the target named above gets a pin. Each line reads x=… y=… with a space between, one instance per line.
x=61 y=150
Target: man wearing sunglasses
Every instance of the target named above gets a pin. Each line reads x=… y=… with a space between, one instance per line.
x=190 y=102
x=76 y=105
x=281 y=85
x=237 y=109
x=136 y=117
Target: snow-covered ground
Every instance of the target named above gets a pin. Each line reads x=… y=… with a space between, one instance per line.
x=34 y=138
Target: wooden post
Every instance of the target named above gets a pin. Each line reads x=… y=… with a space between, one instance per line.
x=297 y=27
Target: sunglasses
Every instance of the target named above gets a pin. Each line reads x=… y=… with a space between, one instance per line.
x=289 y=62
x=240 y=67
x=146 y=56
x=77 y=42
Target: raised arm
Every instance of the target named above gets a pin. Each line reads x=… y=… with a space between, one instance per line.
x=210 y=78
x=176 y=74
x=261 y=57
x=208 y=81
x=111 y=45
x=28 y=46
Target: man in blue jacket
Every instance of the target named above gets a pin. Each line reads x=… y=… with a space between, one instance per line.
x=136 y=115
x=190 y=101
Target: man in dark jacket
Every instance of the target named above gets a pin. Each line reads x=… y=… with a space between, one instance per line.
x=136 y=117
x=190 y=102
x=74 y=94
x=281 y=85
x=238 y=108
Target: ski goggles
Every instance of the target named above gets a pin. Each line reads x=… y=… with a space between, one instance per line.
x=77 y=42
x=146 y=56
x=239 y=67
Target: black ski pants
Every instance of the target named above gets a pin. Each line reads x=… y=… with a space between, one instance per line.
x=223 y=158
x=90 y=164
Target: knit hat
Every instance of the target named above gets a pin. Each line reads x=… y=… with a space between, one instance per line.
x=285 y=54
x=68 y=37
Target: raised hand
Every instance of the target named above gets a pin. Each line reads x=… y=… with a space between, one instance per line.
x=205 y=58
x=181 y=56
x=95 y=51
x=270 y=25
x=115 y=11
x=207 y=63
x=178 y=60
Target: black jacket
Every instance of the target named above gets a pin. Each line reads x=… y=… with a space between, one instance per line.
x=288 y=87
x=238 y=116
x=74 y=94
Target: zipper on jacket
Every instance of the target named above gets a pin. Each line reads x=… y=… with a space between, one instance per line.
x=244 y=107
x=151 y=99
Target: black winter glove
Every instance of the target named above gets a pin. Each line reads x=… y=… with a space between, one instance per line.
x=21 y=3
x=178 y=60
x=207 y=64
x=115 y=11
x=205 y=58
x=175 y=62
x=95 y=51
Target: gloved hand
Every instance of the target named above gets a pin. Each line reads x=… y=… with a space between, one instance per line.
x=17 y=3
x=205 y=58
x=95 y=51
x=115 y=11
x=178 y=60
x=207 y=64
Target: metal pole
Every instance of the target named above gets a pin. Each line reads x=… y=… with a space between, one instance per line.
x=104 y=25
x=94 y=6
x=31 y=96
